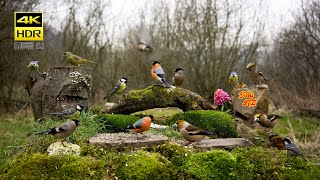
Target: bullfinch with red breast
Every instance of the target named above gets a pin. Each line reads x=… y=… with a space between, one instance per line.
x=141 y=125
x=157 y=73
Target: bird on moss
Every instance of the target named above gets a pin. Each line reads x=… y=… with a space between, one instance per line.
x=233 y=78
x=277 y=141
x=158 y=74
x=76 y=60
x=178 y=77
x=267 y=120
x=141 y=125
x=190 y=132
x=292 y=148
x=119 y=88
x=255 y=75
x=71 y=112
x=62 y=131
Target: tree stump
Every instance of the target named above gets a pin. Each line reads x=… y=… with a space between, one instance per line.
x=159 y=97
x=61 y=88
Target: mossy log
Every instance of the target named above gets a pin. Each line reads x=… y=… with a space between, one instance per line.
x=58 y=89
x=159 y=97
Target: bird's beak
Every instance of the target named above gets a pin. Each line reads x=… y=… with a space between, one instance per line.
x=256 y=119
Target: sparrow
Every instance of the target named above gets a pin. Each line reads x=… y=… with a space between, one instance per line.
x=157 y=73
x=119 y=88
x=233 y=79
x=141 y=125
x=143 y=47
x=292 y=148
x=276 y=141
x=267 y=120
x=255 y=75
x=178 y=77
x=64 y=130
x=71 y=111
x=190 y=132
x=76 y=60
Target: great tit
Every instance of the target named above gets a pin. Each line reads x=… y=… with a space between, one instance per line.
x=71 y=111
x=292 y=148
x=76 y=60
x=190 y=132
x=157 y=73
x=119 y=88
x=178 y=77
x=64 y=130
x=255 y=75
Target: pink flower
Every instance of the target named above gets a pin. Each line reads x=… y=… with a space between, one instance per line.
x=220 y=97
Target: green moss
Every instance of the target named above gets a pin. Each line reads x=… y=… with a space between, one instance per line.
x=115 y=122
x=42 y=166
x=144 y=165
x=219 y=123
x=218 y=164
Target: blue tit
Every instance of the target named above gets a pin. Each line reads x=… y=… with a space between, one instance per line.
x=292 y=148
x=255 y=75
x=119 y=88
x=178 y=77
x=33 y=66
x=233 y=79
x=71 y=112
x=157 y=73
x=75 y=60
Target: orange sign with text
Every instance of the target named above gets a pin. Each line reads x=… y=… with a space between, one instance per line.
x=248 y=97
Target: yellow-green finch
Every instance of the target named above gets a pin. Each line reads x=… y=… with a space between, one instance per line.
x=76 y=60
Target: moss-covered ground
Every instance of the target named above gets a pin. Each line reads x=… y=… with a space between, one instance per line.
x=23 y=155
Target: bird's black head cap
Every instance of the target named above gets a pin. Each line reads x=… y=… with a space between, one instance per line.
x=155 y=62
x=76 y=121
x=124 y=79
x=288 y=140
x=178 y=69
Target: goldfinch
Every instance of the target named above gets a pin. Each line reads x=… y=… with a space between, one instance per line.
x=267 y=120
x=141 y=125
x=143 y=47
x=64 y=130
x=292 y=148
x=71 y=111
x=76 y=60
x=119 y=88
x=178 y=77
x=190 y=132
x=233 y=79
x=157 y=73
x=255 y=75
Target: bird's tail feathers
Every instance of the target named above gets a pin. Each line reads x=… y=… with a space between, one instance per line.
x=44 y=132
x=57 y=113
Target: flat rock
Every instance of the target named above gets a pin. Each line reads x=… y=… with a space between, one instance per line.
x=109 y=140
x=226 y=143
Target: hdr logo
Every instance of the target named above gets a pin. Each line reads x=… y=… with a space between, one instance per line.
x=28 y=26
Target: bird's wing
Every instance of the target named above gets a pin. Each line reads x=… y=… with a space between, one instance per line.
x=260 y=73
x=199 y=132
x=293 y=148
x=67 y=112
x=115 y=89
x=138 y=124
x=192 y=128
x=62 y=128
x=272 y=117
x=159 y=72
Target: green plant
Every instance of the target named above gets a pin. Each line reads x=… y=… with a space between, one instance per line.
x=219 y=123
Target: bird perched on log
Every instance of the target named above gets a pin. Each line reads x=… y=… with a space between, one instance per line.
x=141 y=125
x=190 y=132
x=292 y=148
x=67 y=113
x=62 y=131
x=255 y=75
x=157 y=73
x=178 y=77
x=267 y=120
x=119 y=88
x=76 y=60
x=34 y=66
x=233 y=78
x=276 y=141
x=143 y=47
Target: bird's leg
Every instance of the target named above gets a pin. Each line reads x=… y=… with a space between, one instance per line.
x=64 y=140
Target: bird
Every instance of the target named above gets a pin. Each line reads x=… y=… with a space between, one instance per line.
x=76 y=60
x=144 y=47
x=62 y=131
x=276 y=141
x=71 y=111
x=255 y=75
x=157 y=73
x=267 y=120
x=292 y=148
x=34 y=66
x=178 y=77
x=141 y=125
x=119 y=88
x=233 y=79
x=190 y=132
